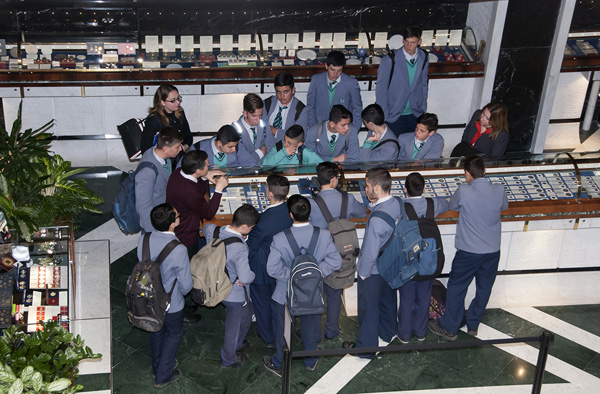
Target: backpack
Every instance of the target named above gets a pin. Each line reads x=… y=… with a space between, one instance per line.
x=345 y=238
x=211 y=282
x=437 y=303
x=279 y=146
x=146 y=298
x=398 y=260
x=432 y=257
x=305 y=286
x=123 y=208
x=392 y=56
x=299 y=107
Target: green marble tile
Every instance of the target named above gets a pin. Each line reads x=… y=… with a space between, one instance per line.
x=120 y=352
x=437 y=376
x=510 y=324
x=372 y=384
x=521 y=372
x=124 y=332
x=586 y=317
x=593 y=367
x=408 y=364
x=94 y=382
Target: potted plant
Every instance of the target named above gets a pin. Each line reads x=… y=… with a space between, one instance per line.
x=43 y=362
x=37 y=187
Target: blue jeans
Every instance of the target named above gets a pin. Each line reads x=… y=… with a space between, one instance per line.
x=264 y=310
x=413 y=312
x=163 y=346
x=310 y=325
x=334 y=303
x=404 y=124
x=465 y=267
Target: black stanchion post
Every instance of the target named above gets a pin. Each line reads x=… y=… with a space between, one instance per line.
x=286 y=367
x=540 y=366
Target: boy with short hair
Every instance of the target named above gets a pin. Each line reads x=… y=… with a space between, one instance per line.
x=223 y=149
x=175 y=268
x=327 y=176
x=402 y=83
x=380 y=144
x=279 y=267
x=376 y=299
x=331 y=88
x=291 y=151
x=255 y=135
x=415 y=295
x=151 y=183
x=426 y=143
x=333 y=139
x=283 y=109
x=477 y=241
x=238 y=315
x=274 y=219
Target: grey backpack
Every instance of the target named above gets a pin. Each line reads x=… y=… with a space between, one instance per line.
x=345 y=238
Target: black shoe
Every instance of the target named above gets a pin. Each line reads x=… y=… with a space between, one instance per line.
x=190 y=308
x=245 y=346
x=267 y=345
x=240 y=359
x=472 y=332
x=434 y=327
x=174 y=367
x=329 y=340
x=176 y=376
x=348 y=345
x=269 y=365
x=191 y=319
x=313 y=367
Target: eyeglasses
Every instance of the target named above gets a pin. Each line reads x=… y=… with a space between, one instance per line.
x=180 y=99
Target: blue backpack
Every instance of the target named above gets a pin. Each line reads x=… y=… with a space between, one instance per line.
x=123 y=208
x=305 y=286
x=398 y=260
x=431 y=261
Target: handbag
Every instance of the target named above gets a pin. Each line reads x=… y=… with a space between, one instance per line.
x=131 y=134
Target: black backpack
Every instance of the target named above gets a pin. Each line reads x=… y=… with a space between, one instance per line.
x=345 y=238
x=431 y=260
x=305 y=286
x=146 y=298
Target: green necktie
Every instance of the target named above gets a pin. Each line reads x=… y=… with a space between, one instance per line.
x=278 y=121
x=253 y=134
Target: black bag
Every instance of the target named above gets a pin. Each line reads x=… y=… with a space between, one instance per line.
x=131 y=134
x=437 y=305
x=146 y=298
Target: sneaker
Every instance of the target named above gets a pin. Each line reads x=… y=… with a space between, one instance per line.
x=421 y=339
x=472 y=332
x=313 y=367
x=434 y=327
x=269 y=365
x=348 y=345
x=174 y=367
x=240 y=358
x=402 y=341
x=176 y=376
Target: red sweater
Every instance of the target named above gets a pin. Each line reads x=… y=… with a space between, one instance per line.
x=191 y=201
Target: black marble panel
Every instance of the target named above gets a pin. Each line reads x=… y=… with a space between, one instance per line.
x=519 y=83
x=530 y=24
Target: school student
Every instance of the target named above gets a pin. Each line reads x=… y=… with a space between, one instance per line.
x=380 y=144
x=415 y=295
x=327 y=175
x=477 y=243
x=333 y=139
x=402 y=83
x=279 y=267
x=425 y=143
x=333 y=87
x=283 y=109
x=291 y=151
x=238 y=315
x=151 y=183
x=223 y=149
x=274 y=219
x=255 y=135
x=376 y=299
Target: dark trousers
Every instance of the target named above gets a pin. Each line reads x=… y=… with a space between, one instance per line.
x=238 y=317
x=404 y=124
x=264 y=310
x=413 y=312
x=310 y=325
x=163 y=346
x=334 y=303
x=376 y=312
x=465 y=267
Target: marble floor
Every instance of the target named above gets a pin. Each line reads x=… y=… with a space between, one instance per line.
x=106 y=258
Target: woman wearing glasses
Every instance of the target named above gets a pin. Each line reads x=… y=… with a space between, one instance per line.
x=166 y=111
x=486 y=133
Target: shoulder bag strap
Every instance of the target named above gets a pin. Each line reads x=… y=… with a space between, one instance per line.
x=430 y=209
x=292 y=241
x=146 y=247
x=344 y=208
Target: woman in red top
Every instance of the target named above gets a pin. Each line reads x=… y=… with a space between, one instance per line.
x=486 y=133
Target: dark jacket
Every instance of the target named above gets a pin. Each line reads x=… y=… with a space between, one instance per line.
x=485 y=144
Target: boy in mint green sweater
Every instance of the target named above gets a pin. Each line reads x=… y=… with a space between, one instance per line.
x=291 y=151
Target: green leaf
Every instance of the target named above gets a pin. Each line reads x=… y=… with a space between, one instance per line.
x=16 y=388
x=59 y=384
x=27 y=374
x=37 y=381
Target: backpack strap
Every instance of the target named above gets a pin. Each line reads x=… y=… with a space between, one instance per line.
x=146 y=247
x=385 y=217
x=344 y=208
x=299 y=153
x=146 y=164
x=299 y=107
x=292 y=241
x=279 y=145
x=197 y=145
x=410 y=211
x=319 y=131
x=313 y=241
x=166 y=250
x=323 y=207
x=268 y=102
x=430 y=214
x=226 y=241
x=392 y=56
x=391 y=140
